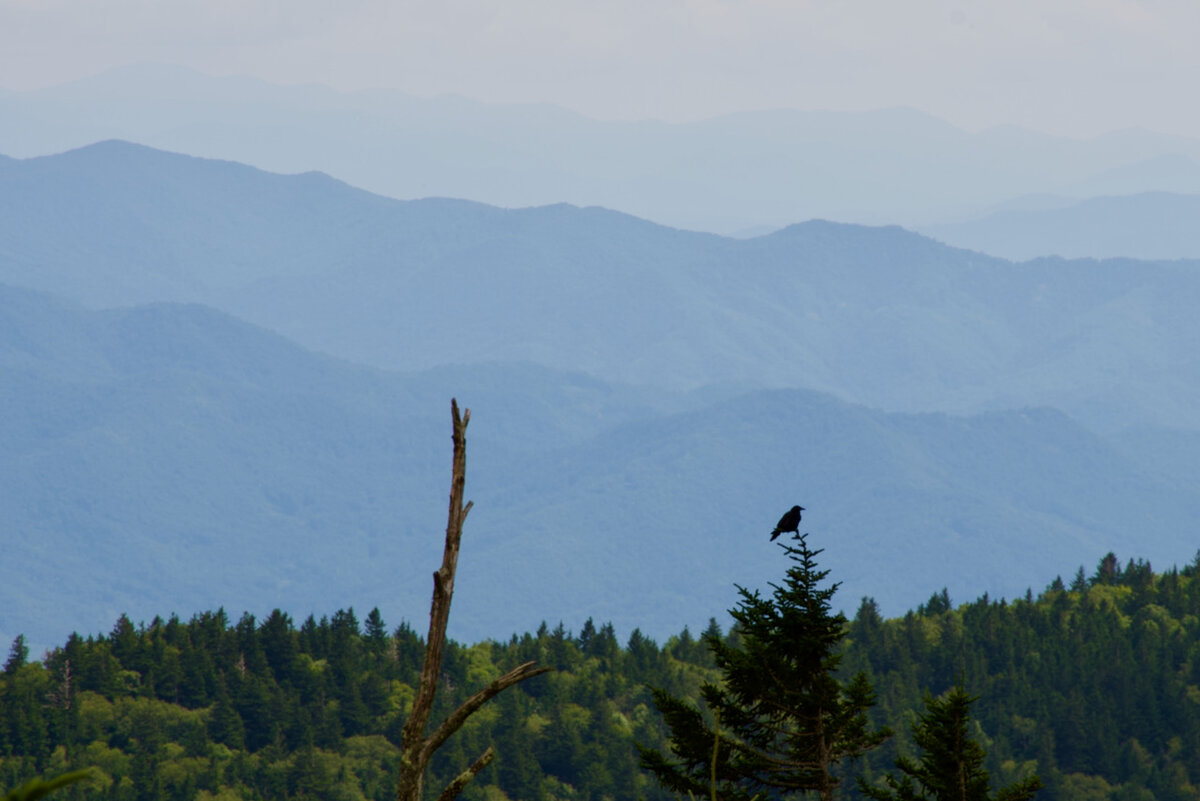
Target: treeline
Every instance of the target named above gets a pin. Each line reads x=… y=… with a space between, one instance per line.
x=1095 y=686
x=209 y=708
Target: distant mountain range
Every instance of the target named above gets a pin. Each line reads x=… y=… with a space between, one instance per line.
x=646 y=400
x=171 y=458
x=727 y=174
x=1150 y=225
x=878 y=316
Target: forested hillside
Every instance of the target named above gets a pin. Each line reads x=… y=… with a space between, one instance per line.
x=1094 y=684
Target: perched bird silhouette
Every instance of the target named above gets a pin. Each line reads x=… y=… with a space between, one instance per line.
x=789 y=522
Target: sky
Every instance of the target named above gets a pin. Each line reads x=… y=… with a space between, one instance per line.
x=1073 y=67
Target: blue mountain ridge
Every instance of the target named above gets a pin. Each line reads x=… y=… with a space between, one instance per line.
x=170 y=458
x=878 y=316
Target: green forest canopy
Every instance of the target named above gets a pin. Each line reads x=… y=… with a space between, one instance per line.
x=1095 y=686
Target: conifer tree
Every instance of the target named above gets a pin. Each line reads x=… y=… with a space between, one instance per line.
x=17 y=655
x=780 y=721
x=951 y=763
x=375 y=635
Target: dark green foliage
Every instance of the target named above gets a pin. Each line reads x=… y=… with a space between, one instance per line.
x=17 y=654
x=951 y=764
x=781 y=720
x=375 y=635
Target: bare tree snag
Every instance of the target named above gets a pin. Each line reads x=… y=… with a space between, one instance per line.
x=460 y=781
x=417 y=748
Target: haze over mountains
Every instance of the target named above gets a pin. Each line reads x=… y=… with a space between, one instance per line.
x=878 y=316
x=646 y=400
x=1153 y=225
x=169 y=457
x=748 y=171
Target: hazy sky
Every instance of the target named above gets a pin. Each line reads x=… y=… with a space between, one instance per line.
x=1064 y=66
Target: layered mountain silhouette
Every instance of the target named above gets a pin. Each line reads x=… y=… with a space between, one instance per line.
x=171 y=458
x=879 y=316
x=236 y=395
x=724 y=174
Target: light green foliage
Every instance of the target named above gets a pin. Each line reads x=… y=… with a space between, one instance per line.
x=1081 y=787
x=481 y=666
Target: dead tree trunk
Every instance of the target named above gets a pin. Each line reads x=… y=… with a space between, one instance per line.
x=417 y=747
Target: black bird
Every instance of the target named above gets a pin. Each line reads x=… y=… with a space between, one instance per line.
x=789 y=522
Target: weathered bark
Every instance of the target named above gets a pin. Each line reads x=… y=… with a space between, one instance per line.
x=463 y=779
x=417 y=749
x=460 y=715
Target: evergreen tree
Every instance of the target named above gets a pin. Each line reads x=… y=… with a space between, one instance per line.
x=781 y=720
x=951 y=763
x=586 y=634
x=1108 y=571
x=1080 y=583
x=376 y=632
x=279 y=644
x=224 y=725
x=17 y=655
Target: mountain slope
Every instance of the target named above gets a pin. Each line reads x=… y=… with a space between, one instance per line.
x=169 y=457
x=902 y=504
x=879 y=316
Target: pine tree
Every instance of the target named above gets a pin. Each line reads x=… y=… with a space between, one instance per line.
x=224 y=725
x=1080 y=583
x=951 y=763
x=18 y=654
x=375 y=636
x=781 y=720
x=1108 y=571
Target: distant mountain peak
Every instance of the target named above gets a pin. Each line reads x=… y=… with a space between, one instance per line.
x=824 y=226
x=853 y=232
x=108 y=150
